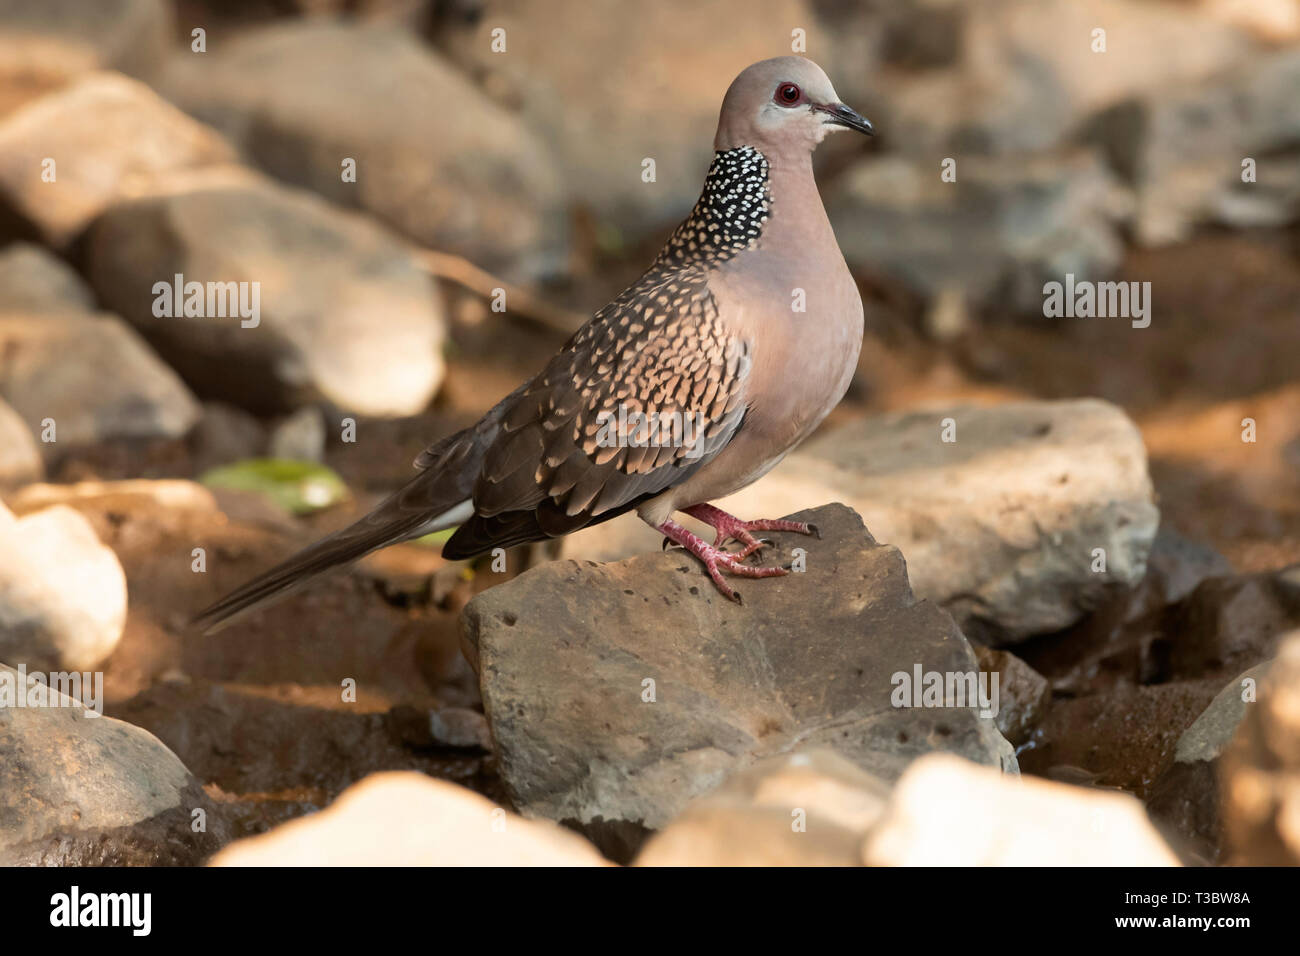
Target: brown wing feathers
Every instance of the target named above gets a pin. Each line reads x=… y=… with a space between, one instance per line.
x=659 y=351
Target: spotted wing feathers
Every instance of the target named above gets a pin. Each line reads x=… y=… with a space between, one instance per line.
x=642 y=396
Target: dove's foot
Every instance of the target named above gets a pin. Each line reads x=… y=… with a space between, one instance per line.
x=729 y=526
x=716 y=560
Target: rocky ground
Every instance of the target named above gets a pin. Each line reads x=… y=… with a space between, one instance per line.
x=1105 y=533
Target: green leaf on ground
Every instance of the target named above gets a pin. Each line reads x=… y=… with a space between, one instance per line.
x=299 y=487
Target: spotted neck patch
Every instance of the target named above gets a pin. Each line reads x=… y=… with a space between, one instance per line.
x=730 y=214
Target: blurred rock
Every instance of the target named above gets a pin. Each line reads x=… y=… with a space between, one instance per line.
x=408 y=819
x=919 y=34
x=32 y=280
x=110 y=138
x=1187 y=794
x=441 y=663
x=1024 y=693
x=93 y=376
x=998 y=526
x=20 y=458
x=459 y=728
x=1270 y=21
x=45 y=44
x=1230 y=623
x=1175 y=566
x=1274 y=200
x=1182 y=149
x=948 y=317
x=948 y=812
x=62 y=592
x=802 y=809
x=618 y=692
x=997 y=234
x=1146 y=635
x=277 y=725
x=647 y=92
x=1011 y=90
x=435 y=158
x=133 y=495
x=225 y=434
x=1261 y=770
x=256 y=510
x=1120 y=735
x=86 y=790
x=300 y=437
x=1027 y=75
x=412 y=573
x=343 y=310
x=1206 y=739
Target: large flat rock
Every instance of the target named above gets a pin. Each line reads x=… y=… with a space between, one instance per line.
x=1001 y=525
x=618 y=692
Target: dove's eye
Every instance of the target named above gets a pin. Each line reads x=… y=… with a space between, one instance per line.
x=787 y=94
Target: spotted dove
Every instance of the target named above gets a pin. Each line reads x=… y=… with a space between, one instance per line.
x=694 y=382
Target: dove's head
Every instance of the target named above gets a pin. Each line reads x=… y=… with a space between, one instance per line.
x=783 y=105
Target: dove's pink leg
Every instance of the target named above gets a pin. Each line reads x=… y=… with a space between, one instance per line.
x=716 y=560
x=729 y=526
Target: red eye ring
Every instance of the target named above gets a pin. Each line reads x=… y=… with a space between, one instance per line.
x=787 y=94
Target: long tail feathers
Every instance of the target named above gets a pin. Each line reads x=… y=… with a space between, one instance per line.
x=387 y=524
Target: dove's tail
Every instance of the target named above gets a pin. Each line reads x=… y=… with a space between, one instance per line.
x=437 y=498
x=387 y=524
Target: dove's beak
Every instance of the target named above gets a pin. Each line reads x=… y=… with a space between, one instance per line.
x=837 y=114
